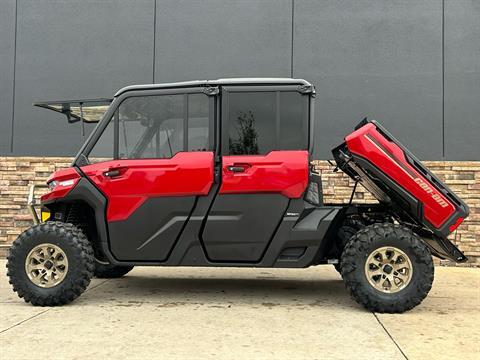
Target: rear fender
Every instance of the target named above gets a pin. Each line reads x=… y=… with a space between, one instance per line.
x=444 y=249
x=315 y=227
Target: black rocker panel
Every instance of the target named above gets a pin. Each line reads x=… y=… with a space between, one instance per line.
x=152 y=230
x=239 y=227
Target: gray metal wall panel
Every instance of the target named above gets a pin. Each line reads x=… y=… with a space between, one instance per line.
x=7 y=39
x=212 y=39
x=377 y=58
x=462 y=80
x=367 y=57
x=75 y=49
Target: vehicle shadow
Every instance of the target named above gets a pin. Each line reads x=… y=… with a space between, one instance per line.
x=135 y=290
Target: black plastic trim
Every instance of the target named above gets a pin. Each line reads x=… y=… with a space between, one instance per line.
x=445 y=249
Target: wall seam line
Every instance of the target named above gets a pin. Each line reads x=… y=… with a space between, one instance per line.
x=14 y=76
x=443 y=80
x=291 y=44
x=154 y=38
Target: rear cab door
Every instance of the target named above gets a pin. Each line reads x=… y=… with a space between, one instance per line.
x=152 y=159
x=264 y=164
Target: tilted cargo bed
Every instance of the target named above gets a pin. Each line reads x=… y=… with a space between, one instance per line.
x=393 y=175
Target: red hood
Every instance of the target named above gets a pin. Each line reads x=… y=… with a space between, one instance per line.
x=63 y=174
x=66 y=179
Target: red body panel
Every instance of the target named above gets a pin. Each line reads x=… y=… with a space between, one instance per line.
x=370 y=144
x=186 y=173
x=284 y=172
x=66 y=180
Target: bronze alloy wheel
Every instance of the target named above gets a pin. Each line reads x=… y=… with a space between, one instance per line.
x=46 y=265
x=388 y=269
x=50 y=263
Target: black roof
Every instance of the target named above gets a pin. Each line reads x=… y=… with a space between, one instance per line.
x=230 y=81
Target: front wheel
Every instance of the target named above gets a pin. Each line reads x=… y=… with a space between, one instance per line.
x=50 y=264
x=387 y=268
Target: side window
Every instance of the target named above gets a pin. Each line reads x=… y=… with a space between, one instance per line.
x=259 y=122
x=251 y=123
x=156 y=127
x=198 y=120
x=293 y=129
x=151 y=126
x=103 y=149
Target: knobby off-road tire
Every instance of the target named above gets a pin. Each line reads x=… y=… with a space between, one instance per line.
x=57 y=238
x=344 y=234
x=372 y=240
x=105 y=270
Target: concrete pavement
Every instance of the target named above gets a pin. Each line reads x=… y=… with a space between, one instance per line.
x=200 y=313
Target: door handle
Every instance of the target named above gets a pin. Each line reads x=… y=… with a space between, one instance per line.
x=111 y=173
x=238 y=168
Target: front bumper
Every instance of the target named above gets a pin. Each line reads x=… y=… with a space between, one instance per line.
x=32 y=203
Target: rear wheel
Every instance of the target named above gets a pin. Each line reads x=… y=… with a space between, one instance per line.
x=387 y=268
x=50 y=264
x=105 y=270
x=344 y=234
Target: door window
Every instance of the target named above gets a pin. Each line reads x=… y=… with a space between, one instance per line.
x=259 y=122
x=293 y=127
x=156 y=127
x=198 y=123
x=103 y=149
x=151 y=127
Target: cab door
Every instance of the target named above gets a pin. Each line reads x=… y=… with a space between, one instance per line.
x=152 y=161
x=264 y=165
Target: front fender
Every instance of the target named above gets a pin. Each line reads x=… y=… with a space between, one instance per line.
x=85 y=191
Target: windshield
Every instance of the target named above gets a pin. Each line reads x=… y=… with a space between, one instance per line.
x=88 y=110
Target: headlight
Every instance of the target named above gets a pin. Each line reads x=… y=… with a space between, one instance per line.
x=52 y=184
x=66 y=183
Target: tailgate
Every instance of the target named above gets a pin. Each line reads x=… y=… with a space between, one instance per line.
x=393 y=175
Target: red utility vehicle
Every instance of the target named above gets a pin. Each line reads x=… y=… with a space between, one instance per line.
x=218 y=173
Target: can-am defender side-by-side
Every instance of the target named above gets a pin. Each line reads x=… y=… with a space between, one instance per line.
x=218 y=173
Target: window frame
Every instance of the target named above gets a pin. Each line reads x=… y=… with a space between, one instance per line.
x=225 y=120
x=112 y=115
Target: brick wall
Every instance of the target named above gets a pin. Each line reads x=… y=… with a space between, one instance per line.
x=17 y=173
x=16 y=176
